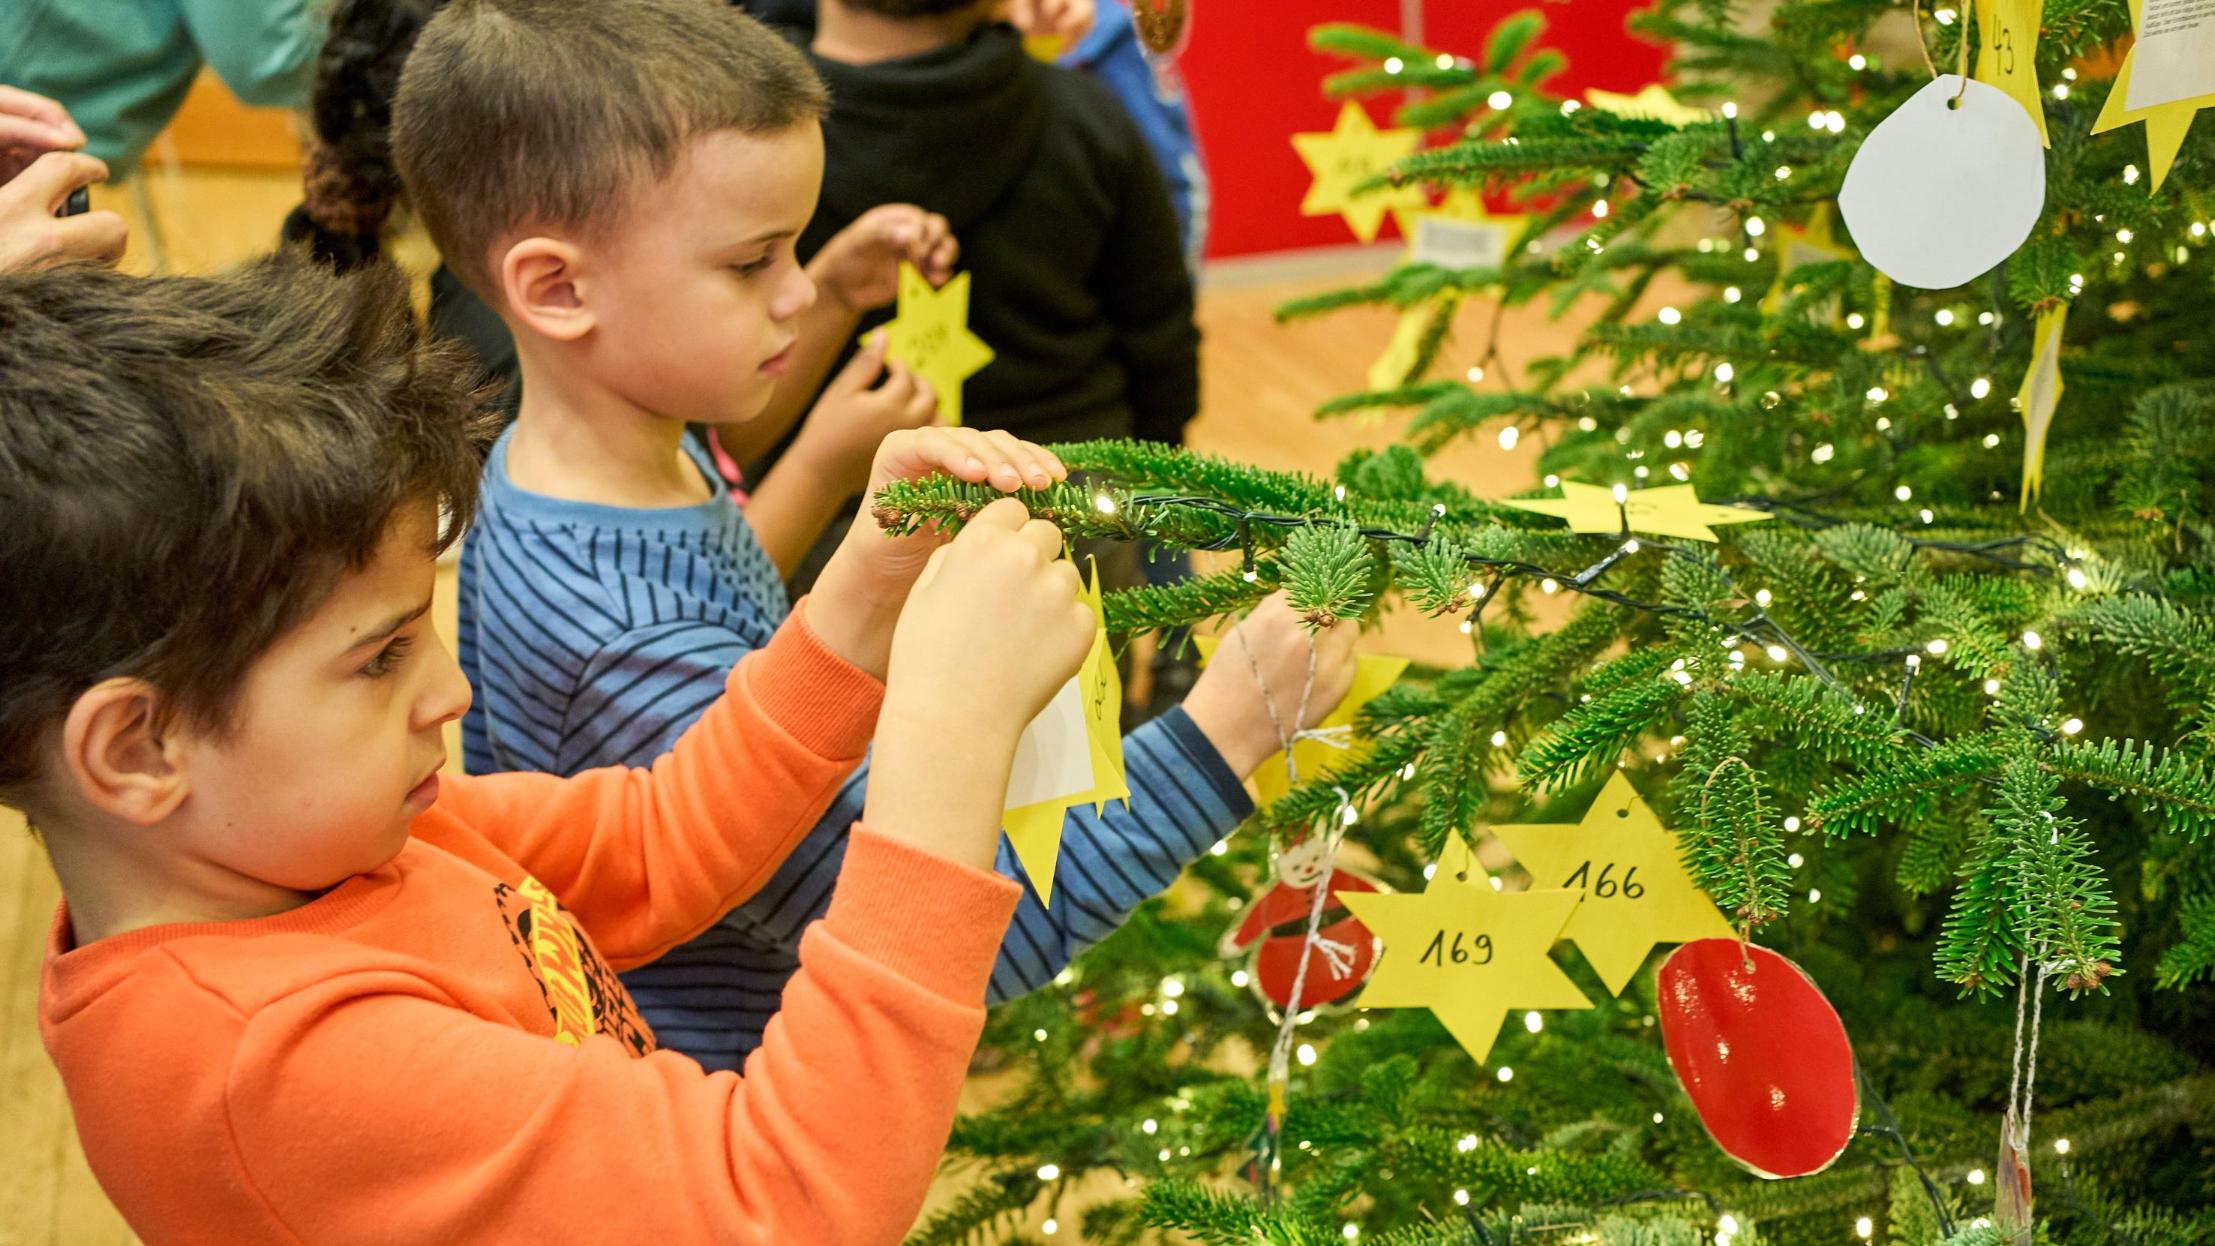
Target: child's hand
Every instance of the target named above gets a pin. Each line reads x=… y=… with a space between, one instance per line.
x=859 y=268
x=1233 y=710
x=861 y=589
x=866 y=402
x=992 y=632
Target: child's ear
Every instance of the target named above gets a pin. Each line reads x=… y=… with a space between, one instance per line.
x=541 y=280
x=118 y=756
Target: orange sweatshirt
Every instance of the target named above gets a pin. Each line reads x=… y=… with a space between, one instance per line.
x=435 y=1052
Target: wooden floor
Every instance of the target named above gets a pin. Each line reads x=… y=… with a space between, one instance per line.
x=1261 y=384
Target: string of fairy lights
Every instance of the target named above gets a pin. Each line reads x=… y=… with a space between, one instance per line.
x=2027 y=553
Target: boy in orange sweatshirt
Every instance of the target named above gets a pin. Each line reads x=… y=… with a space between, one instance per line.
x=304 y=988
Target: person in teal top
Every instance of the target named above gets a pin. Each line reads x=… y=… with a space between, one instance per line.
x=122 y=67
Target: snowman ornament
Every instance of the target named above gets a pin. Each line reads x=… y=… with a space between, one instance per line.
x=1274 y=933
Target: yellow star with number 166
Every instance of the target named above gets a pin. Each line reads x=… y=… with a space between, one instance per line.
x=1468 y=953
x=1351 y=153
x=930 y=334
x=1630 y=869
x=1671 y=510
x=2166 y=122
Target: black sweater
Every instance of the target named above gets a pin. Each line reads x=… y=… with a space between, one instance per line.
x=1079 y=283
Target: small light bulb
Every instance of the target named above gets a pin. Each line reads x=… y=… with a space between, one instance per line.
x=1976 y=1176
x=1762 y=598
x=2061 y=1146
x=1732 y=294
x=1991 y=441
x=1533 y=1022
x=2033 y=641
x=1622 y=494
x=1855 y=320
x=1756 y=227
x=1791 y=823
x=1730 y=109
x=1729 y=1223
x=1047 y=1172
x=1878 y=393
x=1777 y=653
x=1499 y=100
x=1669 y=315
x=1509 y=436
x=1549 y=585
x=1980 y=388
x=1466 y=1143
x=1306 y=1054
x=2077 y=578
x=1353 y=1231
x=1445 y=60
x=1475 y=374
x=1858 y=61
x=1991 y=687
x=1051 y=1227
x=2071 y=725
x=1238 y=978
x=1795 y=861
x=1499 y=739
x=1461 y=1198
x=1393 y=65
x=1835 y=123
x=1823 y=453
x=1815 y=895
x=1784 y=172
x=1863 y=1227
x=1937 y=647
x=1506 y=1074
x=1599 y=209
x=1903 y=493
x=1106 y=505
x=1944 y=316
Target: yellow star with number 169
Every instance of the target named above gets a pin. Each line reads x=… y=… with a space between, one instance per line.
x=2167 y=121
x=1630 y=869
x=1468 y=953
x=930 y=334
x=1352 y=152
x=1671 y=510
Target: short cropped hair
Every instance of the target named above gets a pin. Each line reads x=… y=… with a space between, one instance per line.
x=548 y=113
x=189 y=464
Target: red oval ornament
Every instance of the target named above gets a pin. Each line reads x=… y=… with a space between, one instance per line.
x=1762 y=1055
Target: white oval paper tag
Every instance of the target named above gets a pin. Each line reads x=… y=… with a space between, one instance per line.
x=1938 y=195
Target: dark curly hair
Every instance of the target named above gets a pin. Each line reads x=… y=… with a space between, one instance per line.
x=351 y=185
x=189 y=464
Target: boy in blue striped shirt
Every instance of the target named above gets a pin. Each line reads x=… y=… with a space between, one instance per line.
x=610 y=581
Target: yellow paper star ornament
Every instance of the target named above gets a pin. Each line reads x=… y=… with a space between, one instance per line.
x=1672 y=510
x=1352 y=152
x=2007 y=55
x=2039 y=396
x=1653 y=102
x=1631 y=872
x=1398 y=364
x=930 y=334
x=1372 y=675
x=2164 y=81
x=1799 y=246
x=1468 y=953
x=1459 y=232
x=1070 y=755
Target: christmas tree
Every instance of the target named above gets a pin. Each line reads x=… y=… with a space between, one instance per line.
x=1922 y=691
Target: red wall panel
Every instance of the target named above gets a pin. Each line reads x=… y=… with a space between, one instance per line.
x=1254 y=83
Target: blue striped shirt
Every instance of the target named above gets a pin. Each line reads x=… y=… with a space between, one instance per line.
x=594 y=635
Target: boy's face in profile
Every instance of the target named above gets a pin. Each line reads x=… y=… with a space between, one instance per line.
x=694 y=296
x=336 y=744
